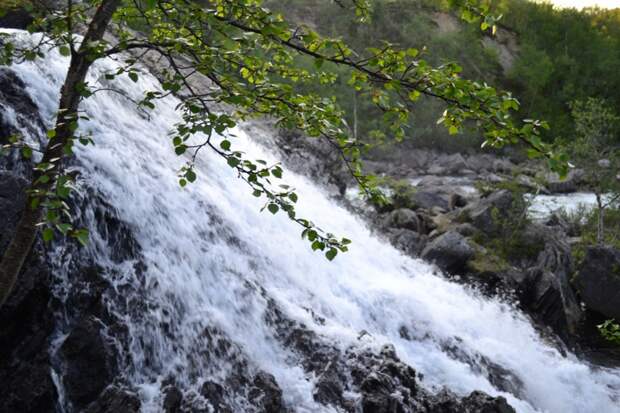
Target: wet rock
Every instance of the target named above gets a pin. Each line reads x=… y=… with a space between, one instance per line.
x=480 y=402
x=266 y=394
x=408 y=241
x=87 y=362
x=173 y=398
x=403 y=218
x=27 y=321
x=598 y=280
x=115 y=400
x=214 y=393
x=450 y=252
x=329 y=388
x=12 y=201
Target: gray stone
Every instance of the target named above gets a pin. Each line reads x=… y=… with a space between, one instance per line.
x=598 y=280
x=449 y=251
x=403 y=218
x=428 y=199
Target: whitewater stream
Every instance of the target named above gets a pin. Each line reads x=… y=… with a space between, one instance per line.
x=206 y=248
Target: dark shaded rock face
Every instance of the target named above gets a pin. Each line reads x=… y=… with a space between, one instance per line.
x=115 y=400
x=484 y=213
x=546 y=290
x=16 y=19
x=88 y=360
x=450 y=251
x=26 y=319
x=599 y=280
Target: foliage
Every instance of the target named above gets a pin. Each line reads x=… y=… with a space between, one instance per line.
x=258 y=63
x=593 y=149
x=610 y=330
x=509 y=239
x=560 y=55
x=576 y=52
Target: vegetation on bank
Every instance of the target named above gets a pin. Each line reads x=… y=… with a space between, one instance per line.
x=547 y=57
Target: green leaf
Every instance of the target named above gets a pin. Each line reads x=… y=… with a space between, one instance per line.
x=277 y=172
x=225 y=144
x=331 y=254
x=27 y=152
x=48 y=234
x=133 y=76
x=232 y=161
x=64 y=50
x=190 y=175
x=51 y=133
x=273 y=208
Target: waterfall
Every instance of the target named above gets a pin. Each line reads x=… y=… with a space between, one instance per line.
x=211 y=263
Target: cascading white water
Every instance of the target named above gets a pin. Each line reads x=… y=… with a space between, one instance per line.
x=204 y=244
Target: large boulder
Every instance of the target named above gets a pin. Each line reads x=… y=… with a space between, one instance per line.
x=26 y=318
x=403 y=218
x=570 y=183
x=548 y=293
x=484 y=214
x=598 y=280
x=428 y=199
x=88 y=361
x=450 y=252
x=408 y=241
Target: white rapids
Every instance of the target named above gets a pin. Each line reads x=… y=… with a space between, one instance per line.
x=198 y=277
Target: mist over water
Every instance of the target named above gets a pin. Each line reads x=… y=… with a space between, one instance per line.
x=212 y=259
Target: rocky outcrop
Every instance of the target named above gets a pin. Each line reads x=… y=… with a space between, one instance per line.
x=485 y=213
x=450 y=252
x=27 y=319
x=598 y=280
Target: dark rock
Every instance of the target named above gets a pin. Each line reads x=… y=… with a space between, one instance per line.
x=408 y=241
x=13 y=94
x=26 y=319
x=466 y=229
x=598 y=280
x=483 y=214
x=12 y=201
x=87 y=362
x=329 y=388
x=480 y=402
x=548 y=294
x=403 y=218
x=450 y=251
x=569 y=184
x=266 y=393
x=214 y=393
x=115 y=400
x=173 y=398
x=456 y=200
x=16 y=19
x=428 y=199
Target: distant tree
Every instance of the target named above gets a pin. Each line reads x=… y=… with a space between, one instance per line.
x=595 y=148
x=249 y=54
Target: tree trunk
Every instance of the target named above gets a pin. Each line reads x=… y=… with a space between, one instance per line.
x=600 y=225
x=25 y=233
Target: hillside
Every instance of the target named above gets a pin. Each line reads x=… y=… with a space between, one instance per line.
x=547 y=57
